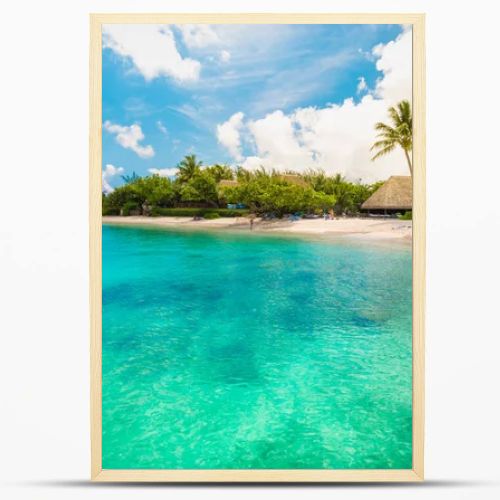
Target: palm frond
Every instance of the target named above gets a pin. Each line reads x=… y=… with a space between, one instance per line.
x=384 y=151
x=383 y=127
x=383 y=144
x=399 y=134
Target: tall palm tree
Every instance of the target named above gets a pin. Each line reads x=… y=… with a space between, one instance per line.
x=399 y=134
x=188 y=167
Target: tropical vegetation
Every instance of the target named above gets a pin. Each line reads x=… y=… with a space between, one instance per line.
x=201 y=191
x=204 y=191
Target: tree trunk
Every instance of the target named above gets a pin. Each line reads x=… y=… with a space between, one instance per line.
x=409 y=162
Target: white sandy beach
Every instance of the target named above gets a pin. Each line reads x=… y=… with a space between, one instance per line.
x=359 y=228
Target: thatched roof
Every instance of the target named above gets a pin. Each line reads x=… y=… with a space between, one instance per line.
x=294 y=179
x=228 y=183
x=395 y=194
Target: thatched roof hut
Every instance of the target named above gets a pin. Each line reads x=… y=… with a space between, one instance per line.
x=294 y=179
x=396 y=194
x=228 y=183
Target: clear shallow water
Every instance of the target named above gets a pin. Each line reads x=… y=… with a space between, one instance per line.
x=244 y=351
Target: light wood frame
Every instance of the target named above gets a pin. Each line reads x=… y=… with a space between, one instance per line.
x=256 y=475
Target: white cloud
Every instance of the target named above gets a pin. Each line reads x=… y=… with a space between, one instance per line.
x=224 y=56
x=152 y=49
x=129 y=138
x=228 y=134
x=107 y=173
x=198 y=35
x=336 y=138
x=395 y=61
x=277 y=142
x=361 y=85
x=163 y=172
x=162 y=127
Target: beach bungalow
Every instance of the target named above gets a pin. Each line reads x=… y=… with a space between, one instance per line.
x=394 y=196
x=228 y=183
x=298 y=180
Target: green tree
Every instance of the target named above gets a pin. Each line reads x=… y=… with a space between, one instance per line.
x=399 y=134
x=154 y=190
x=243 y=175
x=188 y=167
x=317 y=179
x=267 y=192
x=113 y=202
x=263 y=191
x=220 y=172
x=201 y=187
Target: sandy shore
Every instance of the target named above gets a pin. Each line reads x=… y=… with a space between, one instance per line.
x=358 y=228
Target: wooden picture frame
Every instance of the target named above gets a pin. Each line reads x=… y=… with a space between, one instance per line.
x=296 y=475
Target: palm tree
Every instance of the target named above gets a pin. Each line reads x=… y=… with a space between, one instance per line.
x=220 y=172
x=400 y=134
x=188 y=167
x=129 y=179
x=243 y=175
x=342 y=190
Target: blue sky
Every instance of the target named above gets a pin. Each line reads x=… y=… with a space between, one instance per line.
x=176 y=84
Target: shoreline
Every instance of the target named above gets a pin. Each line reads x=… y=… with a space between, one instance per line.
x=357 y=229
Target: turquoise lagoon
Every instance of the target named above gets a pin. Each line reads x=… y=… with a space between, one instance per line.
x=246 y=351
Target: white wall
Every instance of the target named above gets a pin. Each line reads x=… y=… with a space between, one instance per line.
x=44 y=445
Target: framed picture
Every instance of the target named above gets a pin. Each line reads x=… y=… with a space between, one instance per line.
x=257 y=247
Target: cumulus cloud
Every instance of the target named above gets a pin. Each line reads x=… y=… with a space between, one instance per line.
x=228 y=134
x=129 y=138
x=277 y=141
x=198 y=35
x=163 y=172
x=394 y=59
x=109 y=172
x=336 y=138
x=152 y=50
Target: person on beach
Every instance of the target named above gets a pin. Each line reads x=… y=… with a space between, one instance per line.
x=252 y=216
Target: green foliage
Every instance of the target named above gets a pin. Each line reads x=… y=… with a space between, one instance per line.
x=110 y=211
x=269 y=192
x=232 y=212
x=130 y=206
x=219 y=172
x=243 y=175
x=188 y=167
x=262 y=191
x=406 y=216
x=200 y=212
x=153 y=190
x=349 y=196
x=128 y=179
x=113 y=202
x=201 y=187
x=211 y=215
